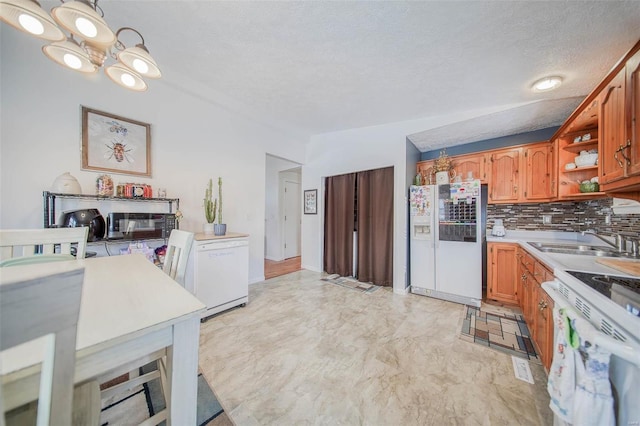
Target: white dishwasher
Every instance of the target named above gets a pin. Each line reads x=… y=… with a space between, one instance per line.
x=218 y=273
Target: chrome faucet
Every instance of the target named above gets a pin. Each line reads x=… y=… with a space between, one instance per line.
x=619 y=245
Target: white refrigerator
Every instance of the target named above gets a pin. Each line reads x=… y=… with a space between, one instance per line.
x=446 y=242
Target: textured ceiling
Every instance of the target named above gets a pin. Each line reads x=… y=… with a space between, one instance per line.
x=318 y=67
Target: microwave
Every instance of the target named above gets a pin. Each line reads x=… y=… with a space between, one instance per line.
x=140 y=226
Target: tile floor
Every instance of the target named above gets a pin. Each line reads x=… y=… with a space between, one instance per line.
x=304 y=351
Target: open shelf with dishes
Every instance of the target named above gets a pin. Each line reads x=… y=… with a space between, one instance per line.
x=576 y=147
x=580 y=140
x=581 y=169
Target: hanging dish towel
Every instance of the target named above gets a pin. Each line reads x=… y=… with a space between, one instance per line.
x=593 y=404
x=561 y=382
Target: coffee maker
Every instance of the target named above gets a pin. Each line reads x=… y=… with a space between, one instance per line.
x=498 y=229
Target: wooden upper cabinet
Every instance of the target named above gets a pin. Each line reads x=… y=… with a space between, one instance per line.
x=527 y=173
x=476 y=164
x=505 y=175
x=519 y=174
x=611 y=130
x=539 y=175
x=633 y=107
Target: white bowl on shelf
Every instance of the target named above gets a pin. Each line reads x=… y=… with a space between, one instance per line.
x=585 y=160
x=570 y=166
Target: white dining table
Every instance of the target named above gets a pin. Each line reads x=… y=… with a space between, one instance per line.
x=129 y=309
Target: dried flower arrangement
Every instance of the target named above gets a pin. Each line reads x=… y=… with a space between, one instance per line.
x=443 y=163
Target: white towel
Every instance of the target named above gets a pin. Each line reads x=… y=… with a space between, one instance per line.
x=561 y=380
x=593 y=403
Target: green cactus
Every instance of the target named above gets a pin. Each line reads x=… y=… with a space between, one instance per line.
x=209 y=204
x=219 y=200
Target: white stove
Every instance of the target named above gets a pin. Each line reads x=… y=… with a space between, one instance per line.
x=598 y=301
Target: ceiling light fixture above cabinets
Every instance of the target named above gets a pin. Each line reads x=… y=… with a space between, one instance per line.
x=93 y=44
x=547 y=83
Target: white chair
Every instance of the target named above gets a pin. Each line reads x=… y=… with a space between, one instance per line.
x=43 y=304
x=16 y=243
x=177 y=255
x=175 y=265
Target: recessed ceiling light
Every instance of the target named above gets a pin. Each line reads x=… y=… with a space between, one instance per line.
x=546 y=84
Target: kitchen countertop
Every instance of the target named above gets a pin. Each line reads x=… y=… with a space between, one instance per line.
x=561 y=263
x=206 y=237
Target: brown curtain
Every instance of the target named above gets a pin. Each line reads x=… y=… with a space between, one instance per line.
x=339 y=204
x=375 y=226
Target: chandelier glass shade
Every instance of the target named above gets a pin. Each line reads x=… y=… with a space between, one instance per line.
x=83 y=20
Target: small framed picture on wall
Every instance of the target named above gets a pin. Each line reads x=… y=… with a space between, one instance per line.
x=311 y=201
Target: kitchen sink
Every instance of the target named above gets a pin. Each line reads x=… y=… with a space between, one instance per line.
x=582 y=249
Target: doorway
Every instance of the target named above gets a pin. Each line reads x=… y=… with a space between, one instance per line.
x=358 y=226
x=282 y=245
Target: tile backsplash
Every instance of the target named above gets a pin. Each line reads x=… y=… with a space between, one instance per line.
x=565 y=216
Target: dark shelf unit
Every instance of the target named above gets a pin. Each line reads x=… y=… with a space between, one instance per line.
x=49 y=203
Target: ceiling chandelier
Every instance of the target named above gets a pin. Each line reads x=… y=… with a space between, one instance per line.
x=94 y=41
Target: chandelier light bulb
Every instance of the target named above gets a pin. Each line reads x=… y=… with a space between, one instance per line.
x=69 y=54
x=126 y=77
x=140 y=66
x=27 y=16
x=72 y=61
x=86 y=27
x=31 y=24
x=138 y=58
x=127 y=80
x=80 y=18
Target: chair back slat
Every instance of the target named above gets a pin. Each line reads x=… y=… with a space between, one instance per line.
x=23 y=242
x=177 y=254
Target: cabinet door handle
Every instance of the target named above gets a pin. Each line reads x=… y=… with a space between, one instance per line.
x=623 y=149
x=615 y=156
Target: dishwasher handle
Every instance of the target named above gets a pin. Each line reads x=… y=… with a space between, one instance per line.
x=221 y=245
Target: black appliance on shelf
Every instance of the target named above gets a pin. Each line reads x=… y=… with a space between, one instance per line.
x=137 y=226
x=90 y=218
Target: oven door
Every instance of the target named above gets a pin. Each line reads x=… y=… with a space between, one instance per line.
x=624 y=346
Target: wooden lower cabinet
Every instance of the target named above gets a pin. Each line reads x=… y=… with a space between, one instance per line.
x=520 y=277
x=536 y=304
x=502 y=272
x=543 y=331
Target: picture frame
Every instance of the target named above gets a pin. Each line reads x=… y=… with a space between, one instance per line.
x=311 y=201
x=115 y=144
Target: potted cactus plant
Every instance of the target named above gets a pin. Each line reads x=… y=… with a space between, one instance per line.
x=219 y=228
x=210 y=206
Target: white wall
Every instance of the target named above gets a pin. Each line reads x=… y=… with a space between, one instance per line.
x=192 y=140
x=349 y=151
x=274 y=244
x=413 y=156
